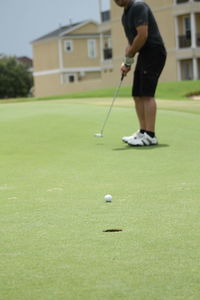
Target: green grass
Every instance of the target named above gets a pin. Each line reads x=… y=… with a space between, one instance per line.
x=178 y=90
x=166 y=90
x=53 y=177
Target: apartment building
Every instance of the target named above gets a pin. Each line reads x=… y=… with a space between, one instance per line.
x=68 y=59
x=187 y=32
x=88 y=55
x=179 y=23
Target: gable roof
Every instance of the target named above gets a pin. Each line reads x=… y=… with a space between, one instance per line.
x=63 y=30
x=25 y=61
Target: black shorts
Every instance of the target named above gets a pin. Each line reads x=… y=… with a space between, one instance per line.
x=147 y=71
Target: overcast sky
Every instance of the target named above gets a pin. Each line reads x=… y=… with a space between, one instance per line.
x=22 y=21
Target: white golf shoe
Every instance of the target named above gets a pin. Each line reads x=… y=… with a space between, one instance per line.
x=136 y=135
x=145 y=140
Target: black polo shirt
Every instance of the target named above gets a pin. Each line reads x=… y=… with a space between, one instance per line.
x=139 y=13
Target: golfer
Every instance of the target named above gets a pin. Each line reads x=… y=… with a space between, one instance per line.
x=143 y=38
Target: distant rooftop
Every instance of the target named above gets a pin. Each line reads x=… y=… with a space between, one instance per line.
x=25 y=60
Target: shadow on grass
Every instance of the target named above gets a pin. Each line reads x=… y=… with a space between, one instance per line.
x=127 y=147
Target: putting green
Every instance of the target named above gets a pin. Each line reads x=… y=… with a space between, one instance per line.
x=53 y=177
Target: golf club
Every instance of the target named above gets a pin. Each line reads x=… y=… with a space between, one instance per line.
x=111 y=106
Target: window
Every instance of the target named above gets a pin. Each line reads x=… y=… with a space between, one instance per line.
x=107 y=51
x=69 y=78
x=68 y=46
x=91 y=48
x=187 y=27
x=186 y=69
x=105 y=16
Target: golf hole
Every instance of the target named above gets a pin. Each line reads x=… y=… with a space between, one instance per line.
x=112 y=230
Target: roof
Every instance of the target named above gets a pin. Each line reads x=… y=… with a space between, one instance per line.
x=25 y=61
x=63 y=30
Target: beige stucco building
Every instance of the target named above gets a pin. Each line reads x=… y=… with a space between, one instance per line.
x=87 y=55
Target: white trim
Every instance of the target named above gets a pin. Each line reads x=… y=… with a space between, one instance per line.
x=67 y=70
x=81 y=36
x=86 y=69
x=60 y=58
x=195 y=68
x=193 y=30
x=46 y=72
x=176 y=32
x=101 y=47
x=179 y=70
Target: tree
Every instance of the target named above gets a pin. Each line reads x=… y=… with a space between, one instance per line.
x=15 y=79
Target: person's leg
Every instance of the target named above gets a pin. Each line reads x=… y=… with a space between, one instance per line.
x=148 y=69
x=146 y=112
x=139 y=107
x=140 y=111
x=150 y=109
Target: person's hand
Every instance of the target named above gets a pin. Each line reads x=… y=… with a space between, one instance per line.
x=124 y=69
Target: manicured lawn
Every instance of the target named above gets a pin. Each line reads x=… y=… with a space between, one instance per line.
x=166 y=90
x=53 y=177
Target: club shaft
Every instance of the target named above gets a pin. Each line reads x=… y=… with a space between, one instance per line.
x=111 y=106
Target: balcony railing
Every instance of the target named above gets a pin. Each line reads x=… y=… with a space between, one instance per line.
x=198 y=40
x=186 y=41
x=185 y=1
x=107 y=53
x=181 y=1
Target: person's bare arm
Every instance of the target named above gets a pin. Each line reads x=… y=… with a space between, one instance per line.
x=137 y=44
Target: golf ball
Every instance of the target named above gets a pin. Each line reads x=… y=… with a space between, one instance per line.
x=108 y=198
x=98 y=135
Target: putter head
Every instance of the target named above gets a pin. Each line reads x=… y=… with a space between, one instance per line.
x=98 y=135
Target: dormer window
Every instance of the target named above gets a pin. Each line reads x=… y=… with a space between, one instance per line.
x=68 y=46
